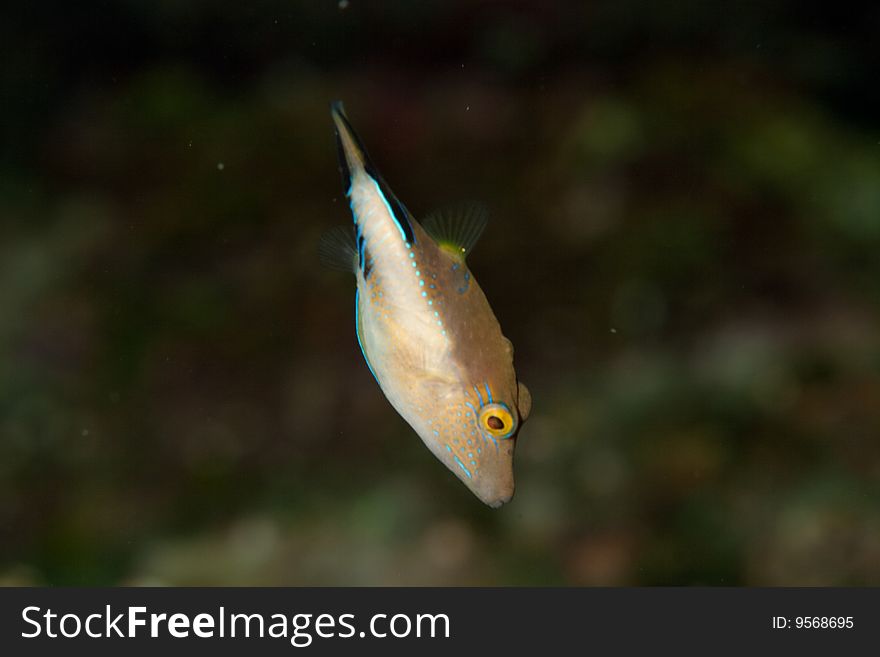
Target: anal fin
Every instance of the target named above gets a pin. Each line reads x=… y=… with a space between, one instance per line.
x=337 y=249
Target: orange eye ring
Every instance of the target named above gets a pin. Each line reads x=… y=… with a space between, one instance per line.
x=497 y=420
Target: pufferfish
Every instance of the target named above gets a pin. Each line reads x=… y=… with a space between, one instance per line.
x=425 y=327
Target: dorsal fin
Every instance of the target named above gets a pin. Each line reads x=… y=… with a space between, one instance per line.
x=457 y=228
x=337 y=249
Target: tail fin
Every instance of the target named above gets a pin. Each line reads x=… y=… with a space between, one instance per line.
x=351 y=152
x=353 y=158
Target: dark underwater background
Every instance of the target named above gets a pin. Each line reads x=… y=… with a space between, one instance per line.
x=684 y=248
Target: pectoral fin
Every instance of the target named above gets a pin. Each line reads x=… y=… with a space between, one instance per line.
x=458 y=228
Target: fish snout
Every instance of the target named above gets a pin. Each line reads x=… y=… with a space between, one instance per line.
x=499 y=498
x=497 y=489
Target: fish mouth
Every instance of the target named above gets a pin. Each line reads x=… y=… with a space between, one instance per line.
x=501 y=501
x=497 y=498
x=496 y=484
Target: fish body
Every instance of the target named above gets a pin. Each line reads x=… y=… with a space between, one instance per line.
x=427 y=331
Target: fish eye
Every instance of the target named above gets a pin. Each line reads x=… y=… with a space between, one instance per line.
x=497 y=420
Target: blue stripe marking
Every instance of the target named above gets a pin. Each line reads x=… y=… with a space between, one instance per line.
x=390 y=211
x=463 y=467
x=488 y=393
x=479 y=396
x=357 y=332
